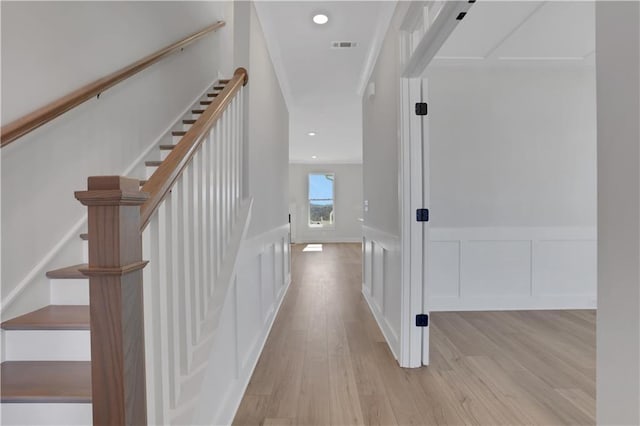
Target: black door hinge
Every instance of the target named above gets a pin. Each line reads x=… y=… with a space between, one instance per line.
x=422 y=320
x=422 y=215
x=421 y=108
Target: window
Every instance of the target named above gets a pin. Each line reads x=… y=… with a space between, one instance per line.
x=321 y=189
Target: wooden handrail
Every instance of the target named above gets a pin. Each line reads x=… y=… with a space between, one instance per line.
x=43 y=115
x=162 y=180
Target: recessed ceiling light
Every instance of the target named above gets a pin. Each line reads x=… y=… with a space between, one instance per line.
x=311 y=133
x=320 y=19
x=314 y=156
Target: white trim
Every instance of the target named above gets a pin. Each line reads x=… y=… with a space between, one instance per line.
x=412 y=235
x=328 y=239
x=390 y=244
x=388 y=241
x=383 y=324
x=514 y=233
x=513 y=303
x=548 y=268
x=432 y=41
x=75 y=229
x=382 y=26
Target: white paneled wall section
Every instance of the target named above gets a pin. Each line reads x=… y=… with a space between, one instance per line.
x=381 y=282
x=511 y=268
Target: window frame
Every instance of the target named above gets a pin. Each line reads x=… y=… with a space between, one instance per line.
x=308 y=201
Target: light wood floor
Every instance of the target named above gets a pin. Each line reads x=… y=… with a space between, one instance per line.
x=326 y=363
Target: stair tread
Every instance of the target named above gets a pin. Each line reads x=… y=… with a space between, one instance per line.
x=167 y=147
x=52 y=317
x=179 y=132
x=72 y=272
x=197 y=111
x=46 y=381
x=189 y=121
x=218 y=87
x=84 y=237
x=212 y=95
x=155 y=163
x=205 y=102
x=224 y=81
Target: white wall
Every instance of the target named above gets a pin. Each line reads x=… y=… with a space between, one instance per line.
x=262 y=272
x=268 y=138
x=51 y=48
x=618 y=70
x=512 y=146
x=513 y=187
x=347 y=208
x=381 y=230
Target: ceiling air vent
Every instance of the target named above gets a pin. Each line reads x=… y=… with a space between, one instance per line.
x=343 y=44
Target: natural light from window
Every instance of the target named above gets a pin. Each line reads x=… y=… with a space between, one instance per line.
x=321 y=189
x=313 y=247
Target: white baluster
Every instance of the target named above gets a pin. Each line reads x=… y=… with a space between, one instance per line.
x=183 y=274
x=161 y=382
x=202 y=177
x=218 y=242
x=213 y=140
x=206 y=231
x=189 y=255
x=163 y=289
x=233 y=162
x=154 y=400
x=229 y=170
x=223 y=184
x=194 y=174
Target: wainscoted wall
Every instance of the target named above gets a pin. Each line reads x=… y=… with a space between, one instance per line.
x=262 y=276
x=511 y=268
x=381 y=282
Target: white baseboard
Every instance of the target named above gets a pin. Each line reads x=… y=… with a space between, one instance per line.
x=385 y=327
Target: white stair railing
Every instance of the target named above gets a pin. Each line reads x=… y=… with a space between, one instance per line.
x=186 y=243
x=191 y=222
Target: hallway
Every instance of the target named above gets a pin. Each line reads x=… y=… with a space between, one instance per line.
x=326 y=362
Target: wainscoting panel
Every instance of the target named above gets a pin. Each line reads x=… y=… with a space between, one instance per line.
x=511 y=268
x=261 y=278
x=381 y=282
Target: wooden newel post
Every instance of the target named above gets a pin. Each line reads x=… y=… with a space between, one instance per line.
x=116 y=304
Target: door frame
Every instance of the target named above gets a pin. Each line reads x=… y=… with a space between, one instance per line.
x=413 y=233
x=424 y=29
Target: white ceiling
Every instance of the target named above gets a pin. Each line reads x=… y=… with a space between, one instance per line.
x=320 y=83
x=519 y=31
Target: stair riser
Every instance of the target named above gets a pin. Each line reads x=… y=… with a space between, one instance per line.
x=85 y=251
x=69 y=291
x=47 y=345
x=46 y=414
x=150 y=170
x=164 y=154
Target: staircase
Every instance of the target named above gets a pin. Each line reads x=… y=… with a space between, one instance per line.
x=46 y=368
